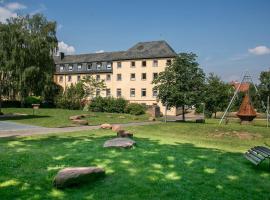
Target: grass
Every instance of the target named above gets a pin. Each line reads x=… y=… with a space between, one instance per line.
x=60 y=117
x=171 y=161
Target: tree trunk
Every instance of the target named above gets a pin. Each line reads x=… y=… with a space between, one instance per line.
x=215 y=115
x=183 y=113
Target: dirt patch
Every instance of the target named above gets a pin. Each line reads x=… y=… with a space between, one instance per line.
x=236 y=134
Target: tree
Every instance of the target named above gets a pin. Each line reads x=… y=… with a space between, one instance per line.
x=182 y=83
x=264 y=86
x=217 y=95
x=91 y=85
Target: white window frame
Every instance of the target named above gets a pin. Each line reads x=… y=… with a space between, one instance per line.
x=70 y=68
x=133 y=79
x=155 y=63
x=134 y=90
x=143 y=89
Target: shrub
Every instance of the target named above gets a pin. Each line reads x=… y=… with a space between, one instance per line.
x=11 y=104
x=32 y=100
x=135 y=109
x=108 y=104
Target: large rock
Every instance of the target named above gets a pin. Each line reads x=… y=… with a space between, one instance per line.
x=77 y=175
x=75 y=117
x=80 y=122
x=105 y=126
x=116 y=128
x=123 y=133
x=119 y=143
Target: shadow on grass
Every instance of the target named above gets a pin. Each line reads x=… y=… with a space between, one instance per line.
x=149 y=171
x=22 y=117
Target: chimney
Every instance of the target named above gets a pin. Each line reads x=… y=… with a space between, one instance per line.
x=62 y=55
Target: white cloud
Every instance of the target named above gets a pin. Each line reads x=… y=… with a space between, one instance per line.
x=100 y=51
x=260 y=50
x=63 y=47
x=9 y=10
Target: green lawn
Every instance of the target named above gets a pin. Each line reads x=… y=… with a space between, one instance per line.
x=60 y=117
x=171 y=161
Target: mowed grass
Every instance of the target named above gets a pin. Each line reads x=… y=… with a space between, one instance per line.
x=170 y=161
x=60 y=117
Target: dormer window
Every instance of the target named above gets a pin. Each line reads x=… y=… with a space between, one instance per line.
x=109 y=66
x=169 y=62
x=70 y=68
x=98 y=65
x=79 y=67
x=61 y=68
x=89 y=66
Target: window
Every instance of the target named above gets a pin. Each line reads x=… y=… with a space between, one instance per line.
x=89 y=66
x=61 y=79
x=70 y=68
x=118 y=92
x=69 y=78
x=143 y=92
x=98 y=65
x=119 y=77
x=108 y=92
x=155 y=63
x=119 y=64
x=155 y=93
x=61 y=68
x=169 y=62
x=78 y=78
x=155 y=75
x=143 y=76
x=132 y=64
x=97 y=77
x=132 y=77
x=79 y=67
x=98 y=92
x=109 y=65
x=108 y=77
x=132 y=92
x=143 y=63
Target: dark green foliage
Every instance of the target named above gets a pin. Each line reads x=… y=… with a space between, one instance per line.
x=264 y=87
x=11 y=104
x=135 y=109
x=108 y=104
x=32 y=100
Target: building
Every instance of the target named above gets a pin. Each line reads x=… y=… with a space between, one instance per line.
x=127 y=74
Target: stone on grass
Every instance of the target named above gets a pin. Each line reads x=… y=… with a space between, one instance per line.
x=119 y=143
x=123 y=133
x=152 y=119
x=75 y=117
x=80 y=122
x=116 y=127
x=105 y=126
x=74 y=176
x=122 y=117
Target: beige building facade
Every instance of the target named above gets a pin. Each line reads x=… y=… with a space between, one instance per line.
x=128 y=74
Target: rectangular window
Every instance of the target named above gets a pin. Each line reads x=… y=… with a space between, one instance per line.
x=155 y=63
x=118 y=92
x=119 y=77
x=79 y=67
x=143 y=76
x=69 y=78
x=169 y=62
x=109 y=65
x=61 y=79
x=98 y=66
x=132 y=92
x=97 y=77
x=143 y=92
x=155 y=93
x=155 y=75
x=98 y=92
x=78 y=78
x=143 y=63
x=108 y=92
x=89 y=66
x=119 y=64
x=108 y=77
x=132 y=77
x=132 y=64
x=70 y=68
x=61 y=68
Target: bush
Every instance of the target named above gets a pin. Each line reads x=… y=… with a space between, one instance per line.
x=11 y=104
x=32 y=100
x=135 y=109
x=108 y=104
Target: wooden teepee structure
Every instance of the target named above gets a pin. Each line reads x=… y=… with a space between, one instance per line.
x=246 y=112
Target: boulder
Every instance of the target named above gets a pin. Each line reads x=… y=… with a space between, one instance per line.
x=105 y=126
x=119 y=143
x=80 y=122
x=75 y=117
x=123 y=133
x=116 y=127
x=77 y=175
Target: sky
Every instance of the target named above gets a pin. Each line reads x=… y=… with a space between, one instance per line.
x=229 y=36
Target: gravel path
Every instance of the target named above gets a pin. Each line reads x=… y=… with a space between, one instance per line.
x=12 y=129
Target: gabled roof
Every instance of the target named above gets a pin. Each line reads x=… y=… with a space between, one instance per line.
x=142 y=50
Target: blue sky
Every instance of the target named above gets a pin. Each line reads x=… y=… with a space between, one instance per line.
x=229 y=36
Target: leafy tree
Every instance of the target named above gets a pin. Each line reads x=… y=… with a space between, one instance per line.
x=182 y=83
x=91 y=85
x=264 y=86
x=217 y=95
